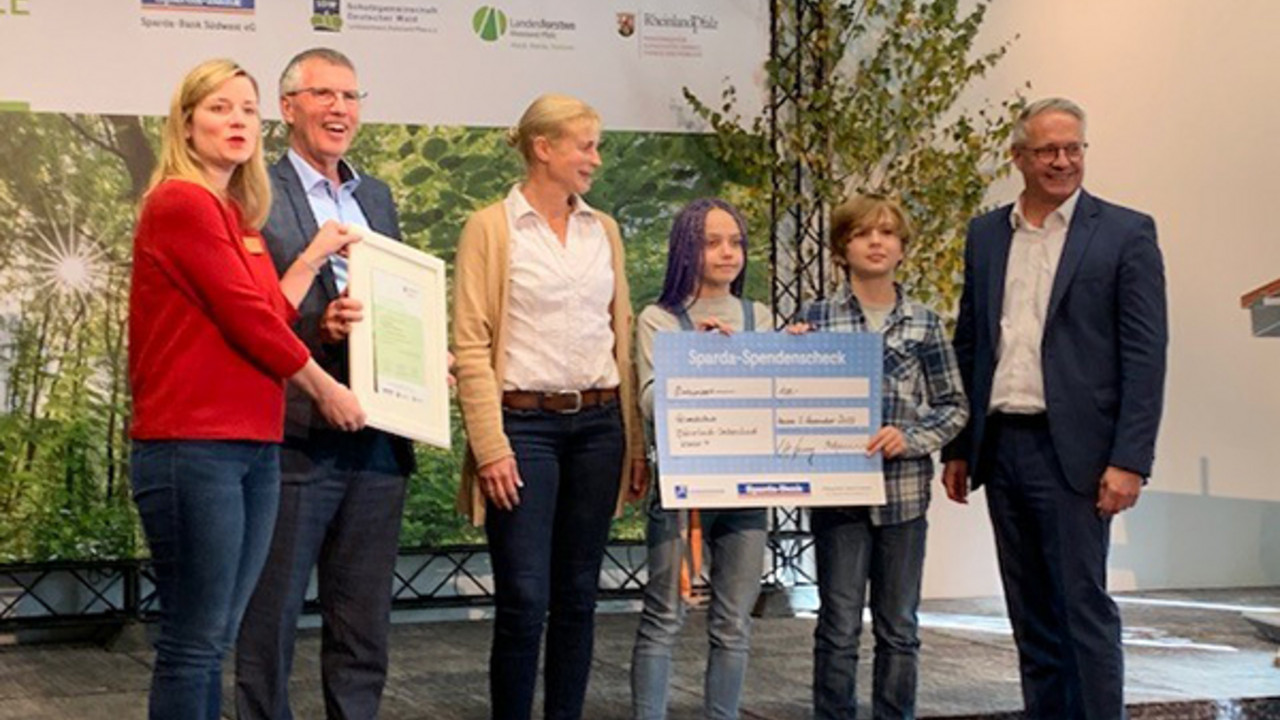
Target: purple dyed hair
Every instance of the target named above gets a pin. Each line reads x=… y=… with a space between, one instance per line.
x=685 y=251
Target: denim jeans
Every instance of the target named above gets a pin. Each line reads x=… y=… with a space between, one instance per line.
x=851 y=551
x=207 y=509
x=341 y=501
x=736 y=539
x=546 y=556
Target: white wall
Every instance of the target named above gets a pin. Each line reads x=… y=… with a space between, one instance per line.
x=1184 y=111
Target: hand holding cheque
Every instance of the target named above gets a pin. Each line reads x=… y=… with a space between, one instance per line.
x=763 y=419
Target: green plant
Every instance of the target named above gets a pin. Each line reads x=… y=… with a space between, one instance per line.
x=867 y=96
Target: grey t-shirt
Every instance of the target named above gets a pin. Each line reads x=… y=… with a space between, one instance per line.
x=727 y=309
x=876 y=315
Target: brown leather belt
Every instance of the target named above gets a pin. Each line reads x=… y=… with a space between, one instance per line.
x=564 y=401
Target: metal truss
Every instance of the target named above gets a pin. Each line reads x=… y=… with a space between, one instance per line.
x=797 y=229
x=67 y=594
x=40 y=596
x=461 y=576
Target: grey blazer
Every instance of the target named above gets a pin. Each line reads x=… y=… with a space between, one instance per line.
x=289 y=229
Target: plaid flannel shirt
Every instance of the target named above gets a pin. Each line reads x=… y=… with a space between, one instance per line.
x=923 y=393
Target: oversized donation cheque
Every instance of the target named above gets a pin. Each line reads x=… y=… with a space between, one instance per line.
x=399 y=352
x=764 y=419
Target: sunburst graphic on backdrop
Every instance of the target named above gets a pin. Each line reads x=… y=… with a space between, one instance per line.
x=67 y=263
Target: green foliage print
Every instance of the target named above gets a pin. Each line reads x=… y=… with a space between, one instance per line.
x=68 y=195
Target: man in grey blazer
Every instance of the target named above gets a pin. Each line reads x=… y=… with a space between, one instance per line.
x=1061 y=341
x=342 y=494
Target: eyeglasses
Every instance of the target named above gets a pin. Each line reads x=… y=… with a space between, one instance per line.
x=1048 y=153
x=329 y=96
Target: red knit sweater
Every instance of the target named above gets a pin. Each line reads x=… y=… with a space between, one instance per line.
x=209 y=340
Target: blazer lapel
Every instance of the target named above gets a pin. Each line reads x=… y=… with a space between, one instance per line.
x=306 y=220
x=373 y=211
x=999 y=249
x=1083 y=224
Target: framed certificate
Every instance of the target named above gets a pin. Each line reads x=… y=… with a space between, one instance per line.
x=399 y=352
x=765 y=419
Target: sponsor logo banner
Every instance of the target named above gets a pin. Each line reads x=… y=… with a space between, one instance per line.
x=631 y=61
x=231 y=6
x=326 y=15
x=523 y=32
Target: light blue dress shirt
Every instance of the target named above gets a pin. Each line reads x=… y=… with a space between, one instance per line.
x=330 y=202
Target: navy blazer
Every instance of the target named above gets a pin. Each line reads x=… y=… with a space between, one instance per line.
x=1104 y=345
x=290 y=227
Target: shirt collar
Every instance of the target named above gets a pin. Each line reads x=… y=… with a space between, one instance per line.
x=520 y=207
x=311 y=177
x=845 y=298
x=1061 y=214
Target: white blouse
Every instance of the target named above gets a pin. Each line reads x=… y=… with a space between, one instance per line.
x=560 y=333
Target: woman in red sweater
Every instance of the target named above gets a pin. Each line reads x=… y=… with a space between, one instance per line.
x=209 y=351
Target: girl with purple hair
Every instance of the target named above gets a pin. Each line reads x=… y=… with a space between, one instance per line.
x=706 y=268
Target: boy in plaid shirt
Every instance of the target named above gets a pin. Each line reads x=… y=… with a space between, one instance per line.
x=924 y=408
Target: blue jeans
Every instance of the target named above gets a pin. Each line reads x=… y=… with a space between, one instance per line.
x=546 y=556
x=341 y=500
x=851 y=551
x=736 y=539
x=207 y=508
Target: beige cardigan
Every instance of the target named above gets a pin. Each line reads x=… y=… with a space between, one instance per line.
x=481 y=286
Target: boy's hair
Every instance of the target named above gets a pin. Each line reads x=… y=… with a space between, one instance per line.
x=859 y=213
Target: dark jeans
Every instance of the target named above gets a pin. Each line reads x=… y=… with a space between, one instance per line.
x=340 y=505
x=207 y=508
x=1052 y=547
x=546 y=556
x=850 y=552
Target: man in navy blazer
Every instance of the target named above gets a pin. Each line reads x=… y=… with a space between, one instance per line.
x=1061 y=341
x=342 y=494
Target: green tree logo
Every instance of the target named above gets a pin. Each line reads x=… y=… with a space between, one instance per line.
x=489 y=22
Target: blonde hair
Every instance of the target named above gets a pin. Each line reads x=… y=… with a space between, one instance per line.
x=548 y=116
x=249 y=186
x=859 y=213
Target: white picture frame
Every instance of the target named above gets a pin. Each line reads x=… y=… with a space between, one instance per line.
x=399 y=351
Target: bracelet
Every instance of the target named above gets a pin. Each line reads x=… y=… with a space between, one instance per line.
x=315 y=270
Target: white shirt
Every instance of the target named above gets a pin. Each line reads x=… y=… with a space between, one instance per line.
x=560 y=332
x=1018 y=385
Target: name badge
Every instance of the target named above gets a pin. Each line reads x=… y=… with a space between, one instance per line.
x=253 y=244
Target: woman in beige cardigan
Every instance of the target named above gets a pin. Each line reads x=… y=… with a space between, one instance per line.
x=542 y=325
